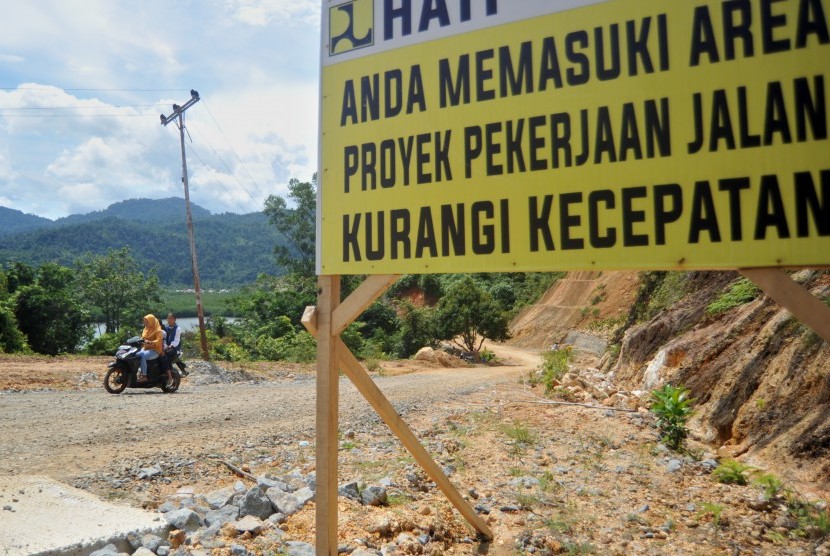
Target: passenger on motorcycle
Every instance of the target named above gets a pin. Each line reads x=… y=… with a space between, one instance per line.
x=173 y=342
x=152 y=336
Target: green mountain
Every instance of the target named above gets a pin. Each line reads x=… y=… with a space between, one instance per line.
x=13 y=221
x=146 y=210
x=232 y=249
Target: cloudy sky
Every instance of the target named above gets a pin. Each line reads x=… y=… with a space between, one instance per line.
x=83 y=82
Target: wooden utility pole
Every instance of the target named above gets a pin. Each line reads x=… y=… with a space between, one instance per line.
x=178 y=117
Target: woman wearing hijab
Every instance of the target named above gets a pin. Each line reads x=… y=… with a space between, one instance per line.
x=152 y=337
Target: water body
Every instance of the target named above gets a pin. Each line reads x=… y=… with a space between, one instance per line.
x=187 y=324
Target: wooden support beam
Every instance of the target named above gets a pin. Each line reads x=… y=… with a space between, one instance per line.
x=327 y=416
x=384 y=408
x=352 y=307
x=793 y=297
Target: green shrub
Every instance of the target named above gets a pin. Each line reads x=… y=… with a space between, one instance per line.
x=742 y=291
x=554 y=366
x=771 y=484
x=534 y=377
x=732 y=472
x=373 y=365
x=487 y=356
x=712 y=509
x=671 y=288
x=816 y=524
x=299 y=347
x=227 y=350
x=105 y=344
x=673 y=407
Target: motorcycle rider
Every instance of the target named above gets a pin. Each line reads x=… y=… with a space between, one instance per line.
x=153 y=344
x=173 y=342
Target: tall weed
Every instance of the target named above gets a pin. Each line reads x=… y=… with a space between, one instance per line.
x=673 y=407
x=554 y=366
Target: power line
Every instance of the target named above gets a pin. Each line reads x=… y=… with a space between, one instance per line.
x=50 y=87
x=222 y=185
x=230 y=171
x=4 y=115
x=222 y=132
x=107 y=107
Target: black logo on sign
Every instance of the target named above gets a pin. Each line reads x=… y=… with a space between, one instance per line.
x=345 y=19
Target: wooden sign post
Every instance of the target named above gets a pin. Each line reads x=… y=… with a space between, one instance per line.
x=461 y=139
x=325 y=322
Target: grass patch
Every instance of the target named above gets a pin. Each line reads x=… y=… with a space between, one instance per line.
x=183 y=304
x=526 y=501
x=770 y=484
x=712 y=509
x=547 y=483
x=521 y=436
x=742 y=291
x=516 y=472
x=520 y=433
x=398 y=499
x=558 y=525
x=732 y=472
x=578 y=548
x=671 y=289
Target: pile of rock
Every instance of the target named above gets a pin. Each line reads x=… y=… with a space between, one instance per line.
x=229 y=517
x=206 y=372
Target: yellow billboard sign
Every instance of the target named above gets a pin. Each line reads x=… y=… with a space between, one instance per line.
x=461 y=136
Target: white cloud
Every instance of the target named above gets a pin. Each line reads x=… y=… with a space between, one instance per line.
x=262 y=12
x=83 y=128
x=11 y=59
x=83 y=40
x=273 y=132
x=259 y=140
x=6 y=172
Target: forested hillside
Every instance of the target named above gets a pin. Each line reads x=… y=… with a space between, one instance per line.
x=14 y=221
x=232 y=249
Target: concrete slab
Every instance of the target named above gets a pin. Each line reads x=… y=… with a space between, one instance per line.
x=44 y=517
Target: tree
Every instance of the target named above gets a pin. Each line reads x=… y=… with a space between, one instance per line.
x=11 y=339
x=298 y=225
x=114 y=285
x=19 y=275
x=417 y=328
x=49 y=312
x=468 y=312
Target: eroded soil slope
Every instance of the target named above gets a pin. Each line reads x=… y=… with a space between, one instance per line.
x=761 y=379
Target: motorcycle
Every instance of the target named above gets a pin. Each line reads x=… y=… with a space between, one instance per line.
x=122 y=373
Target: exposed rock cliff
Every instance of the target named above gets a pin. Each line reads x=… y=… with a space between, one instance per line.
x=760 y=377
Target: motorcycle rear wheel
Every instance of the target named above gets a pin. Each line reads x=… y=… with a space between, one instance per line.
x=115 y=381
x=173 y=387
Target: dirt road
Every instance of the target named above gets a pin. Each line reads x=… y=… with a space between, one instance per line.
x=68 y=432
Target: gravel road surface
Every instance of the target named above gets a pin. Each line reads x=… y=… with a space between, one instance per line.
x=65 y=433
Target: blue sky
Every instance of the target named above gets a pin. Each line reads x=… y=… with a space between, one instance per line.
x=82 y=84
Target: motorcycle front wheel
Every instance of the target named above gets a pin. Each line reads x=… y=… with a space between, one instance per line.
x=173 y=387
x=115 y=381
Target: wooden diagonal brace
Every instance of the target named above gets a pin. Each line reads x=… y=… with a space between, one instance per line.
x=351 y=307
x=793 y=297
x=367 y=387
